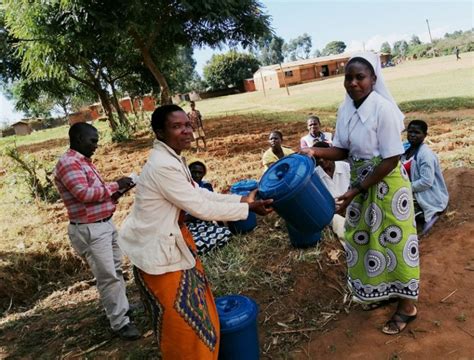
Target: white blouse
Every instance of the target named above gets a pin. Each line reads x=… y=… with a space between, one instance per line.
x=371 y=130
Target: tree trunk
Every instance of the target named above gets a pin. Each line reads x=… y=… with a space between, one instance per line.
x=95 y=85
x=165 y=96
x=122 y=117
x=105 y=101
x=134 y=109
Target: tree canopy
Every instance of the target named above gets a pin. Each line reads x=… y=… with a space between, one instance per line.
x=229 y=69
x=298 y=48
x=334 y=48
x=111 y=44
x=269 y=50
x=386 y=48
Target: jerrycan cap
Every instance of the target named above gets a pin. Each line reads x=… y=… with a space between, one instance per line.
x=235 y=312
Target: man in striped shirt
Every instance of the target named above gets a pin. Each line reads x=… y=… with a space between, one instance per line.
x=90 y=204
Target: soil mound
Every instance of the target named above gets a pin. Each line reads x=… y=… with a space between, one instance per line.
x=460 y=183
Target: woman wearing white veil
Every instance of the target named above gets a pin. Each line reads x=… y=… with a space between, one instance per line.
x=380 y=236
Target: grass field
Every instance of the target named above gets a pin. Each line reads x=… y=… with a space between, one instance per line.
x=414 y=80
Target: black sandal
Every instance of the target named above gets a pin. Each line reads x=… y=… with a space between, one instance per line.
x=378 y=304
x=393 y=326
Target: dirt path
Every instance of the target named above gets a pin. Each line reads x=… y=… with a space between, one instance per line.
x=445 y=325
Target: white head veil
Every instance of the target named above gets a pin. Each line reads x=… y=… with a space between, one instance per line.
x=379 y=86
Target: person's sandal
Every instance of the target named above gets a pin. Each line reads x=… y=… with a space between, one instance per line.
x=394 y=325
x=378 y=304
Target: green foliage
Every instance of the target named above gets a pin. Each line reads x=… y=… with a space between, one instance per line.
x=229 y=69
x=334 y=48
x=298 y=48
x=442 y=104
x=415 y=40
x=121 y=133
x=270 y=50
x=400 y=48
x=385 y=48
x=35 y=174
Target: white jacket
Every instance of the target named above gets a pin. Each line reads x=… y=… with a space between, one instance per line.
x=150 y=235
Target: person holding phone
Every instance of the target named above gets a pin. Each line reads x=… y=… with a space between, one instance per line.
x=90 y=204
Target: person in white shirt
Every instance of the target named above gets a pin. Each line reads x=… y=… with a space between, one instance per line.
x=336 y=176
x=380 y=239
x=314 y=133
x=167 y=270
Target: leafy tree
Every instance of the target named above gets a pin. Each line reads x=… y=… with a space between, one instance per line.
x=317 y=53
x=59 y=41
x=385 y=48
x=400 y=48
x=299 y=48
x=415 y=40
x=270 y=50
x=334 y=48
x=158 y=27
x=229 y=69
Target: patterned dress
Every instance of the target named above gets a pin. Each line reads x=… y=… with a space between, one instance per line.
x=208 y=235
x=182 y=308
x=381 y=240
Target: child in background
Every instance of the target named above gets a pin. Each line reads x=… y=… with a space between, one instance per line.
x=314 y=133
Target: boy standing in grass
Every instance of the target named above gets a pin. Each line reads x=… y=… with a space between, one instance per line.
x=198 y=130
x=90 y=204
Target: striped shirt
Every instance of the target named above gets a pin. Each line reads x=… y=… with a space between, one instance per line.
x=86 y=196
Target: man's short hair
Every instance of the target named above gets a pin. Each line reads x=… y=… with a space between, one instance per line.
x=78 y=129
x=278 y=132
x=315 y=118
x=421 y=124
x=159 y=116
x=321 y=144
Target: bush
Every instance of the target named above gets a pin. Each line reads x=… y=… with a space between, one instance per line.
x=122 y=133
x=36 y=175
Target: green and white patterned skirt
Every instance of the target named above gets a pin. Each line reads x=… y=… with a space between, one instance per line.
x=381 y=240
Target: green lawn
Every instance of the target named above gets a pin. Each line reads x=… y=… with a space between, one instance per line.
x=441 y=77
x=60 y=132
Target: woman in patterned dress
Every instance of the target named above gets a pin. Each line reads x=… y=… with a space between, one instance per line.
x=167 y=270
x=380 y=237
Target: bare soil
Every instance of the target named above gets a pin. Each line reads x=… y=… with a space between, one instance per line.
x=51 y=308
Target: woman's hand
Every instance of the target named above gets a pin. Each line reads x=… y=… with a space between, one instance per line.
x=260 y=207
x=344 y=200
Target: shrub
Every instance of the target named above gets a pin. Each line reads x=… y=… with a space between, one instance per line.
x=122 y=133
x=36 y=175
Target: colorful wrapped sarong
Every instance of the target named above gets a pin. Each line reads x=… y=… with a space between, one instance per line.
x=381 y=240
x=184 y=315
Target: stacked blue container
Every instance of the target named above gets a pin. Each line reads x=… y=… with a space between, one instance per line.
x=299 y=197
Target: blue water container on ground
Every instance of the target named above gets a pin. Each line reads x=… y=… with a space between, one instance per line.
x=239 y=333
x=300 y=240
x=243 y=188
x=298 y=194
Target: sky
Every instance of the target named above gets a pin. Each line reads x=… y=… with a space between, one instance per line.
x=357 y=23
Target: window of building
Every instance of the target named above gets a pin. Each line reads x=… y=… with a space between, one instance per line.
x=288 y=73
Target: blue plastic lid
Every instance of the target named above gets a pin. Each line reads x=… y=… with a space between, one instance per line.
x=244 y=187
x=285 y=176
x=236 y=312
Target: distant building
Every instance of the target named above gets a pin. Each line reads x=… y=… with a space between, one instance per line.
x=84 y=115
x=302 y=71
x=22 y=128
